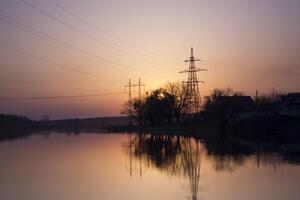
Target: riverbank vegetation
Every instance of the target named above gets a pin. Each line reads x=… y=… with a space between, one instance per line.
x=222 y=108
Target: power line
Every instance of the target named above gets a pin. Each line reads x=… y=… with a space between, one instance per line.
x=58 y=97
x=254 y=74
x=39 y=84
x=46 y=60
x=83 y=33
x=66 y=10
x=57 y=41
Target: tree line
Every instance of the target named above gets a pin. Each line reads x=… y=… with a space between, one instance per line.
x=169 y=105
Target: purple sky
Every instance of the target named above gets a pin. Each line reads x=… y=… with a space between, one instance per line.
x=246 y=45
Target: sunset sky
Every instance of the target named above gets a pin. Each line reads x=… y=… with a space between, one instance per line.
x=76 y=47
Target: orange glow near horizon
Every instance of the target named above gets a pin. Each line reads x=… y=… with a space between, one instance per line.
x=244 y=45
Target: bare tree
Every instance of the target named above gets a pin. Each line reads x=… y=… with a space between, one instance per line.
x=135 y=109
x=180 y=92
x=268 y=101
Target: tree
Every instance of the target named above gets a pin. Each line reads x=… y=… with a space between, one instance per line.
x=135 y=109
x=159 y=107
x=269 y=101
x=180 y=93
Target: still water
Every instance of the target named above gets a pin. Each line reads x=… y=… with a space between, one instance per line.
x=143 y=167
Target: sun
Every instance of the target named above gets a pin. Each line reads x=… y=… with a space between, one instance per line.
x=161 y=96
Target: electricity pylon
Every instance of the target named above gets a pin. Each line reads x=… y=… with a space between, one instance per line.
x=140 y=84
x=129 y=89
x=130 y=86
x=193 y=97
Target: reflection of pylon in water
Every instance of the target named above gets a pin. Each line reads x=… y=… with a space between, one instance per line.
x=191 y=156
x=193 y=98
x=131 y=151
x=130 y=156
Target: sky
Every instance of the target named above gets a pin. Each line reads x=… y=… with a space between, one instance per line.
x=75 y=47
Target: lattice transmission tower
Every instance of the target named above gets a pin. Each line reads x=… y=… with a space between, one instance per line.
x=193 y=96
x=130 y=86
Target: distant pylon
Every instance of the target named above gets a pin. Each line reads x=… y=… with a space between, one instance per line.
x=193 y=98
x=129 y=89
x=140 y=84
x=130 y=86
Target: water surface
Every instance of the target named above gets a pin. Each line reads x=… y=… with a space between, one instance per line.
x=143 y=167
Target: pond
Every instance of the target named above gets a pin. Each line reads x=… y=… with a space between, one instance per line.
x=145 y=167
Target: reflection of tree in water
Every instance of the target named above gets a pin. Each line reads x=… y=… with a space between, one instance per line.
x=230 y=152
x=176 y=155
x=182 y=156
x=226 y=155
